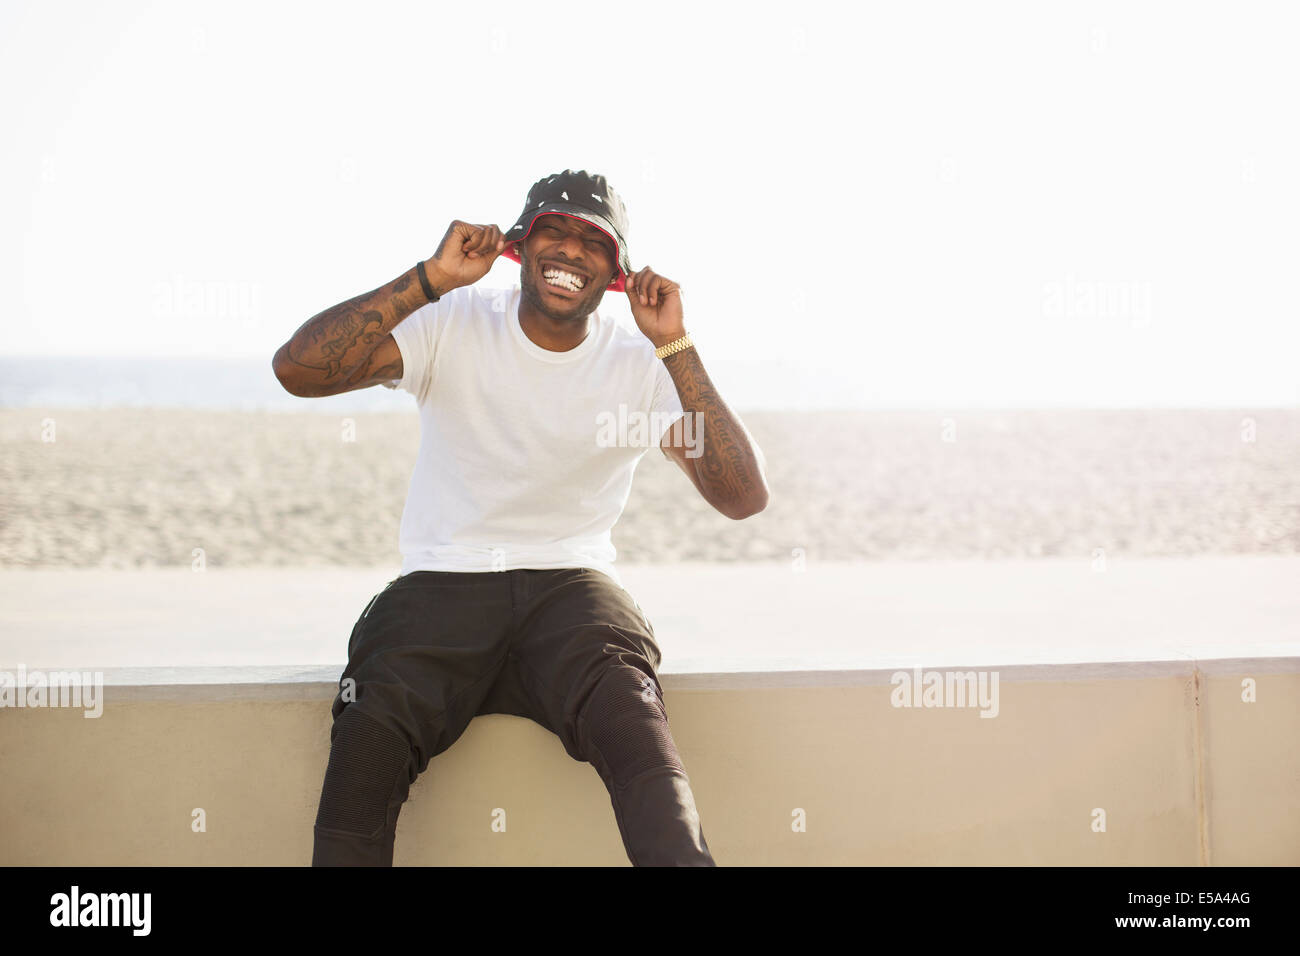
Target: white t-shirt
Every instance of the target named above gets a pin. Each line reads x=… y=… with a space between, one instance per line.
x=526 y=455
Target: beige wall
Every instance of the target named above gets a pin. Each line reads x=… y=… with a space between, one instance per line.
x=1185 y=776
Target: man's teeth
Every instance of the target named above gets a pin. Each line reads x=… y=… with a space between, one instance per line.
x=565 y=280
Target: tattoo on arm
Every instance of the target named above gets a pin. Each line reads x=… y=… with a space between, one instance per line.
x=341 y=331
x=337 y=345
x=370 y=372
x=728 y=468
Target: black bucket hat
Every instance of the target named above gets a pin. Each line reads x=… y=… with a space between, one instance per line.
x=581 y=195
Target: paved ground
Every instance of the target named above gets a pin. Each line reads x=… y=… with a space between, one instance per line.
x=707 y=617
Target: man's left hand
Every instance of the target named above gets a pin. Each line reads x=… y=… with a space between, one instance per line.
x=656 y=303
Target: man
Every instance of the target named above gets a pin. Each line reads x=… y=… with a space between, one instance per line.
x=508 y=600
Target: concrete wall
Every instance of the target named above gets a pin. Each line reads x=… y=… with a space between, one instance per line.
x=1185 y=771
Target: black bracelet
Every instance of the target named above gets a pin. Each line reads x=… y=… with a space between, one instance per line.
x=424 y=282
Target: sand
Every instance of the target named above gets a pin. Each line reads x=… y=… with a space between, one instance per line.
x=140 y=488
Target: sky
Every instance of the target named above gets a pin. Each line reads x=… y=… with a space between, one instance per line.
x=1014 y=204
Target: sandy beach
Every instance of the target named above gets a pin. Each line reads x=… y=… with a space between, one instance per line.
x=136 y=488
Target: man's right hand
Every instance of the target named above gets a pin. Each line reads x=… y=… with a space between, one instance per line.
x=464 y=256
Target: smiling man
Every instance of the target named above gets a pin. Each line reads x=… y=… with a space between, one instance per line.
x=508 y=600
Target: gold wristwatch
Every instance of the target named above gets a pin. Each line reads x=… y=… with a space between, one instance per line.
x=674 y=346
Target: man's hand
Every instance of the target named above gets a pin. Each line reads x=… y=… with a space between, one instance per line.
x=464 y=256
x=656 y=303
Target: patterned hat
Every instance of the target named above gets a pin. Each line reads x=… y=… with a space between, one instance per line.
x=581 y=195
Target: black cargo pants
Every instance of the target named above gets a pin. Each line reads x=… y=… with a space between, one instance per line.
x=566 y=648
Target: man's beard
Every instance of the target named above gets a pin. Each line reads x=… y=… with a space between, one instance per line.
x=578 y=309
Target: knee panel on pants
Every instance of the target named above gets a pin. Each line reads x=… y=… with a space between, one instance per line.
x=367 y=760
x=628 y=725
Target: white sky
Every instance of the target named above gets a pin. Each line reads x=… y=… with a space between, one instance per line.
x=1027 y=203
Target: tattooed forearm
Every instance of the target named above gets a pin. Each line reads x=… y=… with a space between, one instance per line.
x=335 y=337
x=729 y=469
x=370 y=369
x=332 y=351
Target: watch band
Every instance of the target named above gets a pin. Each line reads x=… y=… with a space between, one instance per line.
x=677 y=345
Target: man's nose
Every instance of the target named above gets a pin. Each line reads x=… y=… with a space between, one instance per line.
x=571 y=246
